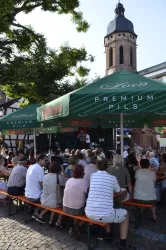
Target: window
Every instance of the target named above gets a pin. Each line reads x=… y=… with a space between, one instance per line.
x=121 y=54
x=111 y=57
x=131 y=56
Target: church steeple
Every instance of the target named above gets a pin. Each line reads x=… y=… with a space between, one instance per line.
x=120 y=10
x=120 y=43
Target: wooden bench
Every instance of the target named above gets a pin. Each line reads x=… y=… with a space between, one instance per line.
x=138 y=205
x=55 y=210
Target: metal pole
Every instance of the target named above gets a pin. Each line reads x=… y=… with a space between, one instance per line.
x=121 y=132
x=34 y=142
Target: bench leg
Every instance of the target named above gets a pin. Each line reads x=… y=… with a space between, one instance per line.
x=10 y=206
x=25 y=213
x=138 y=218
x=89 y=238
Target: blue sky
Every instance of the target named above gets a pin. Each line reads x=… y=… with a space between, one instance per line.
x=148 y=17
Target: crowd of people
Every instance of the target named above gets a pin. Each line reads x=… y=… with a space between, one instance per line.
x=84 y=182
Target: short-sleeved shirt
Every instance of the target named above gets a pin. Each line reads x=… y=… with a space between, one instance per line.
x=35 y=174
x=101 y=193
x=18 y=176
x=75 y=193
x=49 y=193
x=144 y=188
x=122 y=175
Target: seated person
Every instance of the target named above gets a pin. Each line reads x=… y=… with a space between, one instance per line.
x=75 y=194
x=90 y=168
x=34 y=182
x=11 y=154
x=73 y=161
x=3 y=170
x=144 y=189
x=99 y=206
x=154 y=164
x=16 y=182
x=57 y=157
x=4 y=173
x=123 y=177
x=50 y=193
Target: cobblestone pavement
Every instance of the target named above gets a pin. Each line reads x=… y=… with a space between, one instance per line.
x=15 y=235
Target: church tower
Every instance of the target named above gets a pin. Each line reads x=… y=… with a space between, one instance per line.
x=120 y=44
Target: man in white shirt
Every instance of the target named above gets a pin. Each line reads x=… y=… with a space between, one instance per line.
x=87 y=141
x=34 y=181
x=99 y=206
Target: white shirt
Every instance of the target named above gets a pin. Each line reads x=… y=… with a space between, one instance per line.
x=87 y=138
x=144 y=188
x=100 y=199
x=75 y=193
x=35 y=174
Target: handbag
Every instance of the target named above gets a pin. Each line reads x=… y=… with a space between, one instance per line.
x=59 y=192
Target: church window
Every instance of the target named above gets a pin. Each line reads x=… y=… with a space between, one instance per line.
x=131 y=56
x=121 y=54
x=111 y=57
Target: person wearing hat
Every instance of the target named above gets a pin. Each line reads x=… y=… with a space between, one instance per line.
x=16 y=182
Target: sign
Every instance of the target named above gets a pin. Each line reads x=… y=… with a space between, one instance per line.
x=51 y=111
x=123 y=85
x=162 y=142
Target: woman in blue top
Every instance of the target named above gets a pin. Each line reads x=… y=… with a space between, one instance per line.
x=73 y=161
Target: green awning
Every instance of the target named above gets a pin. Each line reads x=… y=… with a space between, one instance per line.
x=23 y=118
x=138 y=97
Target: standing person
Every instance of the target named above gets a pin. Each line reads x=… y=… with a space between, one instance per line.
x=34 y=182
x=29 y=146
x=99 y=205
x=87 y=141
x=16 y=182
x=81 y=139
x=66 y=157
x=144 y=189
x=50 y=194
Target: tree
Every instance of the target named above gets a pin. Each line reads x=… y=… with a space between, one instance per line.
x=28 y=68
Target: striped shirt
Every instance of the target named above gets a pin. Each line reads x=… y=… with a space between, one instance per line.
x=100 y=198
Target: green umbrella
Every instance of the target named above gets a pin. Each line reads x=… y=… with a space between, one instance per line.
x=122 y=93
x=23 y=118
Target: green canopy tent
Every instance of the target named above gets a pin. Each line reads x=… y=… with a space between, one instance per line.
x=121 y=93
x=24 y=118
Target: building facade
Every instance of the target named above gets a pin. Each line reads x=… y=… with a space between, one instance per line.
x=120 y=43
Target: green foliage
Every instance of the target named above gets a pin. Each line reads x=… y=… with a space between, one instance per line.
x=28 y=68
